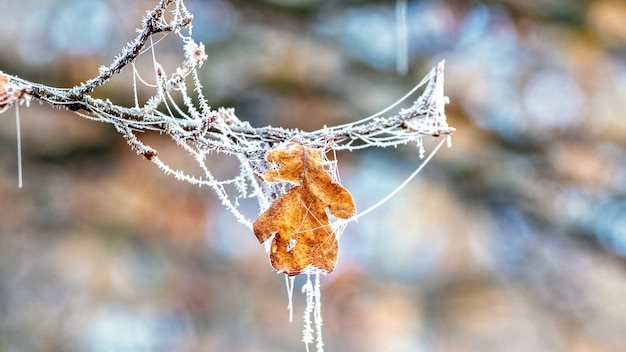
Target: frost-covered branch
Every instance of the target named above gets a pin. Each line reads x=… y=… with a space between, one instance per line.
x=201 y=131
x=391 y=130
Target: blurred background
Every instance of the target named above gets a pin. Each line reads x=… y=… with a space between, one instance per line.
x=514 y=239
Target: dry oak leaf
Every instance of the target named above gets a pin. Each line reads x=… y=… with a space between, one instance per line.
x=297 y=222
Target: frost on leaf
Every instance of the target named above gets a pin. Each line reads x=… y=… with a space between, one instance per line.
x=297 y=223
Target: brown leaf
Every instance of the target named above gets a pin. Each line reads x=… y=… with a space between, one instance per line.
x=298 y=220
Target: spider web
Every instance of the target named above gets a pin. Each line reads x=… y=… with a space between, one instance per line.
x=179 y=109
x=230 y=136
x=185 y=116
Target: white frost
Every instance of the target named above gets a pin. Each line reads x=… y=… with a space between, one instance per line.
x=313 y=309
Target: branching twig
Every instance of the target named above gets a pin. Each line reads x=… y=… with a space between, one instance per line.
x=205 y=131
x=153 y=23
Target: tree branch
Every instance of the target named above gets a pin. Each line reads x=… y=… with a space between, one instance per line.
x=200 y=130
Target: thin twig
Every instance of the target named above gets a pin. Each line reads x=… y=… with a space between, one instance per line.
x=153 y=23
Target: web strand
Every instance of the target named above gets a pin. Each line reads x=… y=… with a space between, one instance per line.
x=18 y=135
